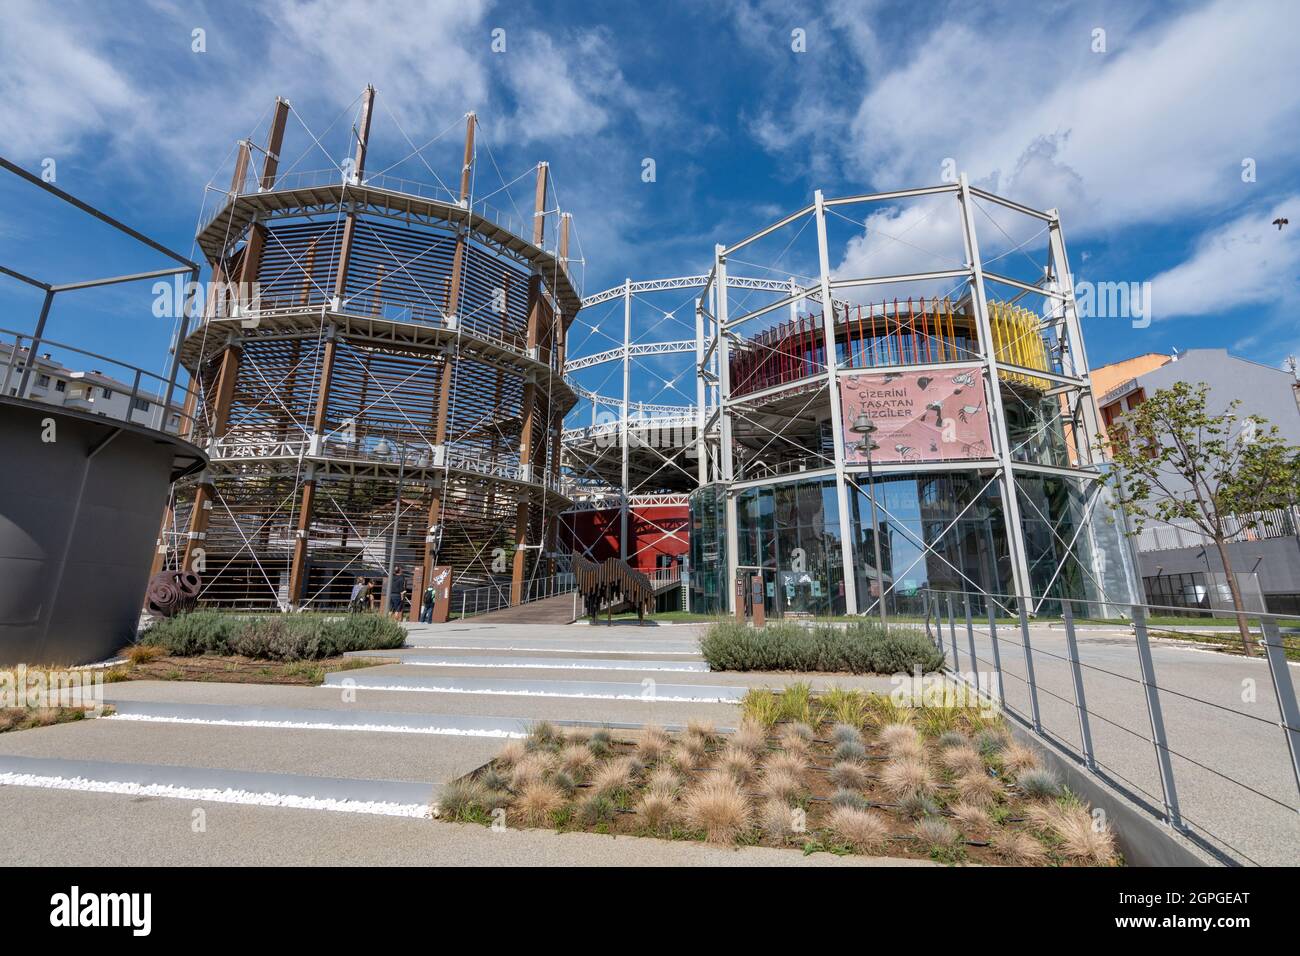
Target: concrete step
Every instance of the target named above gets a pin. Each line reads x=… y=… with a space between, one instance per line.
x=399 y=677
x=361 y=721
x=383 y=797
x=554 y=662
x=516 y=643
x=372 y=676
x=327 y=701
x=315 y=753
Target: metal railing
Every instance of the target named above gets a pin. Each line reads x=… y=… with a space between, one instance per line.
x=146 y=386
x=495 y=596
x=1204 y=746
x=1256 y=526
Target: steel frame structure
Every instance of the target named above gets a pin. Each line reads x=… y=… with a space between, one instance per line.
x=725 y=410
x=388 y=367
x=652 y=440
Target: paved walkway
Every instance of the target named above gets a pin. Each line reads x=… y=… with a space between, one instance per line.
x=555 y=610
x=1231 y=765
x=377 y=742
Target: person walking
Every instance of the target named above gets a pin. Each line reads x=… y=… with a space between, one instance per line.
x=426 y=607
x=396 y=593
x=357 y=602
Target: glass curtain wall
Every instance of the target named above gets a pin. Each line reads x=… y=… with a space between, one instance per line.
x=708 y=551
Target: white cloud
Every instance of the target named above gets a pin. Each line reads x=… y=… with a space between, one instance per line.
x=54 y=88
x=1245 y=262
x=1156 y=127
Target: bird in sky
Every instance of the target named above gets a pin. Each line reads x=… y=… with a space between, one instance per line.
x=1281 y=221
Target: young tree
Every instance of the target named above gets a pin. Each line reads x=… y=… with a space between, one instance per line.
x=1176 y=459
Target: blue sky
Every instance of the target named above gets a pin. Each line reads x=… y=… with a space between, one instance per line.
x=1140 y=146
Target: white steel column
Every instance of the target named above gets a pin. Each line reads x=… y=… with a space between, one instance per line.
x=837 y=423
x=722 y=352
x=701 y=415
x=993 y=395
x=1076 y=354
x=623 y=429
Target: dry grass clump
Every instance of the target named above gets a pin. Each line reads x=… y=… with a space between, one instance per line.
x=657 y=809
x=796 y=738
x=613 y=776
x=542 y=735
x=704 y=730
x=909 y=776
x=936 y=833
x=513 y=752
x=861 y=829
x=664 y=780
x=918 y=805
x=796 y=764
x=978 y=788
x=1082 y=838
x=654 y=743
x=850 y=775
x=782 y=785
x=971 y=816
x=689 y=754
x=576 y=760
x=1019 y=848
x=750 y=736
x=459 y=797
x=962 y=760
x=578 y=735
x=736 y=763
x=537 y=801
x=534 y=767
x=780 y=820
x=1018 y=758
x=894 y=735
x=718 y=808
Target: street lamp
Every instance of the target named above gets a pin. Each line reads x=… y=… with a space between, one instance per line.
x=864 y=426
x=383 y=448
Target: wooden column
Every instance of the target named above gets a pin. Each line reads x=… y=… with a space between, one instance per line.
x=229 y=371
x=320 y=419
x=452 y=309
x=528 y=405
x=559 y=336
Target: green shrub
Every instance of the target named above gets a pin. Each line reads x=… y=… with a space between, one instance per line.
x=280 y=637
x=859 y=648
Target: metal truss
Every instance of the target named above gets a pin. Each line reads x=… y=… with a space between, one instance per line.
x=1025 y=370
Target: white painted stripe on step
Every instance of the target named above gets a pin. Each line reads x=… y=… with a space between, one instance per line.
x=542 y=648
x=557 y=663
x=213 y=795
x=675 y=693
x=317 y=725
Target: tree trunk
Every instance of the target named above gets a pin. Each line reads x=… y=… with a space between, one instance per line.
x=1243 y=627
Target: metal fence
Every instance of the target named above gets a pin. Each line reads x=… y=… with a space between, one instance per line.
x=494 y=597
x=1207 y=745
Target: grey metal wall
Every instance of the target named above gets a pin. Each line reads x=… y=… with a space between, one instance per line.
x=79 y=519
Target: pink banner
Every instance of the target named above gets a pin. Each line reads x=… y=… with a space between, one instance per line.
x=919 y=416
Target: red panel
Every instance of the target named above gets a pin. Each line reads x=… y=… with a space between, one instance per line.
x=650 y=533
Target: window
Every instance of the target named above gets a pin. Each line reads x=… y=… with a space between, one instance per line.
x=106 y=392
x=60 y=386
x=140 y=404
x=42 y=381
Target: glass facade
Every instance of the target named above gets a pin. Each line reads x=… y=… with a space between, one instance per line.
x=707 y=569
x=940 y=531
x=790 y=534
x=923 y=541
